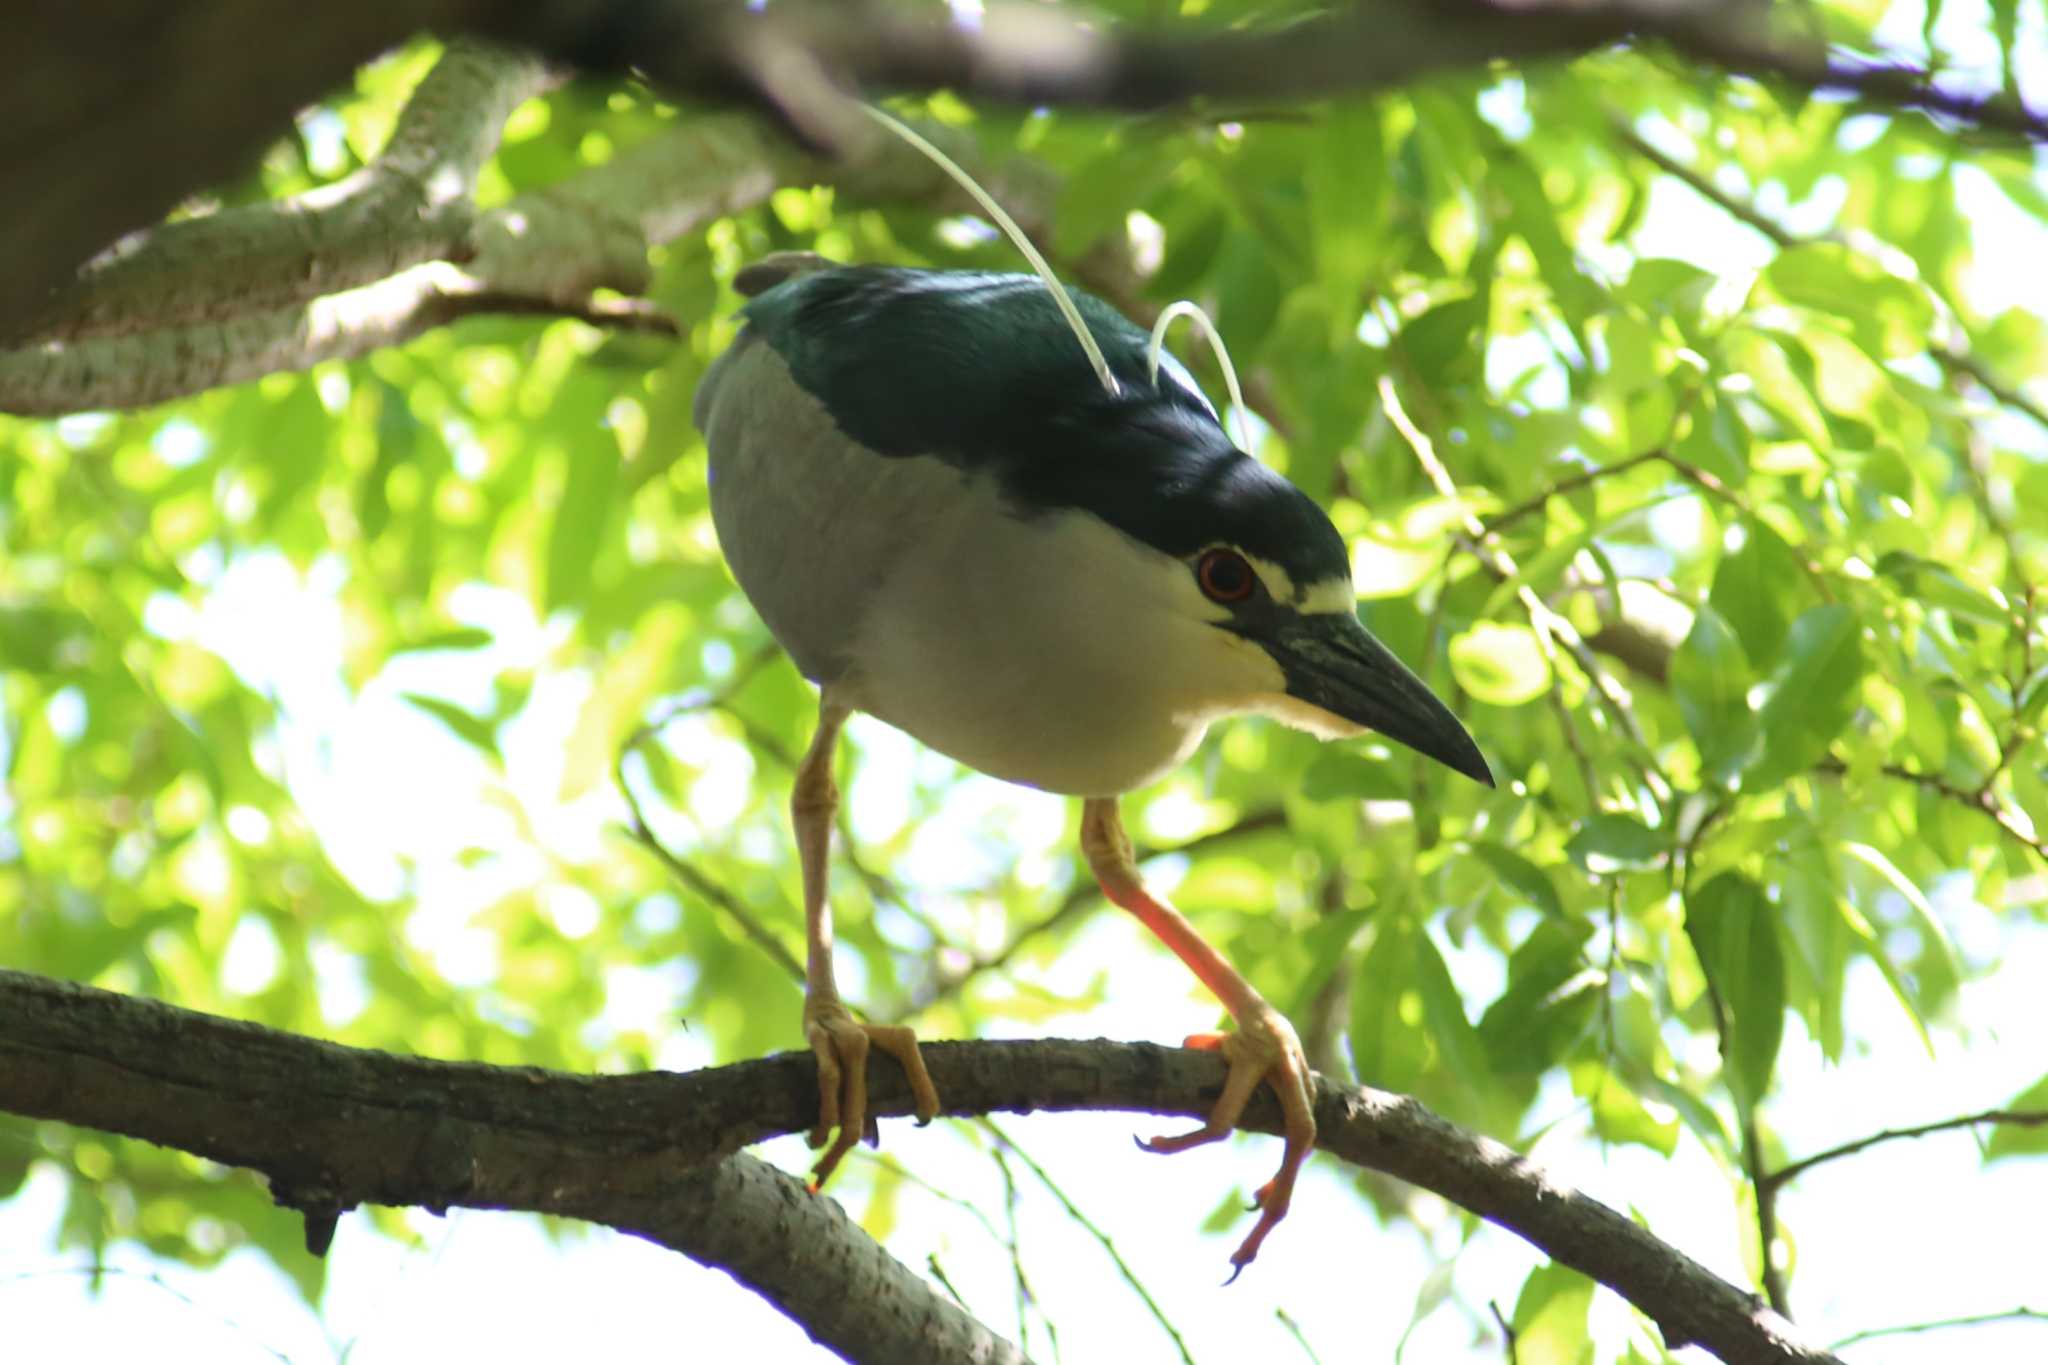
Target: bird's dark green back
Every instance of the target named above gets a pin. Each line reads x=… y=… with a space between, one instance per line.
x=982 y=372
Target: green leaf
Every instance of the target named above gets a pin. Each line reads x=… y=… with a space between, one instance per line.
x=472 y=730
x=1610 y=842
x=1502 y=665
x=1619 y=1115
x=1338 y=773
x=1758 y=589
x=1734 y=931
x=1445 y=343
x=1891 y=316
x=1443 y=1014
x=1346 y=181
x=1941 y=973
x=1779 y=385
x=1098 y=195
x=1660 y=284
x=1521 y=874
x=1388 y=1046
x=1551 y=1000
x=1815 y=697
x=455 y=637
x=2014 y=1139
x=1937 y=585
x=580 y=519
x=1248 y=294
x=1550 y=1317
x=1711 y=678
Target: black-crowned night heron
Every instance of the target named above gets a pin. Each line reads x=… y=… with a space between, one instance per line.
x=952 y=525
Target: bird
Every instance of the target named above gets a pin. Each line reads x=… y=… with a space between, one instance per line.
x=952 y=524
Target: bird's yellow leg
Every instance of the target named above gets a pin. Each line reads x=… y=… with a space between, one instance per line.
x=1264 y=1048
x=838 y=1040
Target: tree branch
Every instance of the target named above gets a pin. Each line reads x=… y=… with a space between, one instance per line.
x=398 y=249
x=333 y=1126
x=2018 y=1118
x=104 y=137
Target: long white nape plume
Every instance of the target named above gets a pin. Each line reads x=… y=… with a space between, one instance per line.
x=1008 y=224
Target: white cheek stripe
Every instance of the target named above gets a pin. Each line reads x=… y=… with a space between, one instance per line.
x=1327 y=595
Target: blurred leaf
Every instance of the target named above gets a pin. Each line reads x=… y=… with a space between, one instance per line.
x=1609 y=842
x=2012 y=1139
x=1521 y=874
x=1502 y=665
x=1758 y=589
x=1347 y=773
x=579 y=521
x=1816 y=695
x=1711 y=679
x=1942 y=973
x=1551 y=998
x=474 y=731
x=1733 y=930
x=1550 y=1317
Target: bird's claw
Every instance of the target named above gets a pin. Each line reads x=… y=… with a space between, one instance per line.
x=840 y=1043
x=1266 y=1049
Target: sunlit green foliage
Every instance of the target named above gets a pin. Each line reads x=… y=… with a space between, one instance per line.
x=1778 y=715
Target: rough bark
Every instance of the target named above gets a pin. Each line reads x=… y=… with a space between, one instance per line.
x=117 y=110
x=655 y=1154
x=400 y=248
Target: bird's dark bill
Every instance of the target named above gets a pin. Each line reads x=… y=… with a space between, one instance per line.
x=1334 y=664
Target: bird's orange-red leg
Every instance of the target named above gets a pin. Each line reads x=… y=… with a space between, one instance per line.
x=1264 y=1048
x=838 y=1040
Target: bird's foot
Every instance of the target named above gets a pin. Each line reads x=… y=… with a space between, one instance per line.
x=841 y=1042
x=1264 y=1048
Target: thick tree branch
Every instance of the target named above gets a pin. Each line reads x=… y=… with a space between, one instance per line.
x=399 y=249
x=116 y=117
x=333 y=1126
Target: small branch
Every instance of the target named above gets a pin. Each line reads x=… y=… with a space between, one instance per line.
x=651 y=1153
x=1985 y=802
x=1536 y=502
x=2018 y=1118
x=1942 y=1324
x=1887 y=84
x=258 y=257
x=1753 y=1165
x=1507 y=1331
x=1074 y=1211
x=1955 y=356
x=1552 y=628
x=684 y=871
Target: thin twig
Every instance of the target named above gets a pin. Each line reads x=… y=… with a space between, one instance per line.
x=1015 y=1242
x=1752 y=1165
x=1955 y=357
x=1300 y=1337
x=1087 y=1225
x=98 y=1270
x=1551 y=628
x=697 y=880
x=1534 y=503
x=1507 y=1331
x=686 y=872
x=1984 y=802
x=1942 y=1324
x=2018 y=1118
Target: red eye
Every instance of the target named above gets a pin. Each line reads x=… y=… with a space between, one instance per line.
x=1224 y=576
